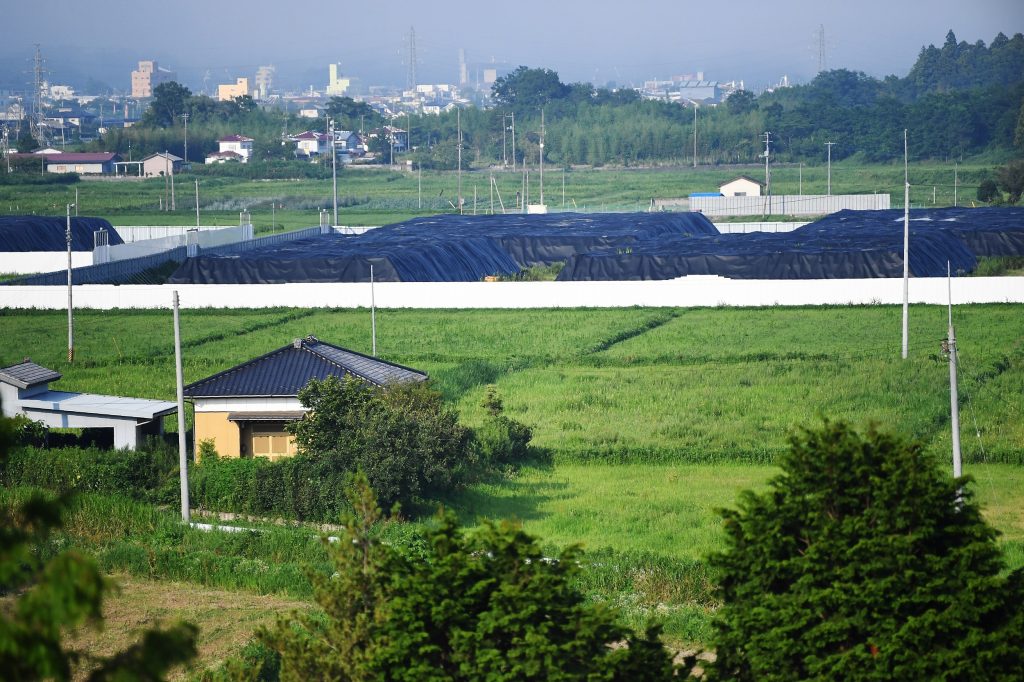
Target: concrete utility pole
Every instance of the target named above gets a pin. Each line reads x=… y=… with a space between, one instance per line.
x=906 y=249
x=542 y=156
x=767 y=171
x=185 y=117
x=373 y=314
x=182 y=446
x=71 y=324
x=334 y=168
x=197 y=204
x=829 y=145
x=694 y=134
x=954 y=399
x=458 y=123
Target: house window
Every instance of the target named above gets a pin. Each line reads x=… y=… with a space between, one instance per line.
x=271 y=444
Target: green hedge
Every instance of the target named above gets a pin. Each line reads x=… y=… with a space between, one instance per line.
x=149 y=473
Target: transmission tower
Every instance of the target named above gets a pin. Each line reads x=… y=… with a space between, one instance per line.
x=38 y=78
x=822 y=62
x=411 y=77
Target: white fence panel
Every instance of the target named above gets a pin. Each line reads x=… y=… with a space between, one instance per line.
x=31 y=262
x=699 y=291
x=789 y=204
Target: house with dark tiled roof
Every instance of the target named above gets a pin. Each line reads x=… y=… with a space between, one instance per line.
x=244 y=409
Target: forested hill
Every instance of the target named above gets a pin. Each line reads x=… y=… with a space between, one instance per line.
x=963 y=66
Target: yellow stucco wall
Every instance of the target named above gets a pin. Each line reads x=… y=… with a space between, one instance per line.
x=225 y=434
x=261 y=440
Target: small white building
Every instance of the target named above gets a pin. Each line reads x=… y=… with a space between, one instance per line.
x=161 y=163
x=239 y=144
x=742 y=186
x=223 y=157
x=25 y=390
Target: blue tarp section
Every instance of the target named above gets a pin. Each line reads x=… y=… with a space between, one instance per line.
x=444 y=248
x=42 y=233
x=847 y=244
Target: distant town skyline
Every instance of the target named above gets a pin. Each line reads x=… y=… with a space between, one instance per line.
x=755 y=42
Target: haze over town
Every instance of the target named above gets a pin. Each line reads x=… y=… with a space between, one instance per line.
x=753 y=42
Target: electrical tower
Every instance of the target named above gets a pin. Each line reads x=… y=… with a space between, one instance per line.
x=822 y=62
x=38 y=78
x=411 y=77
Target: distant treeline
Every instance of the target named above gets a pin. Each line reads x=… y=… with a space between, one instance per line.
x=957 y=100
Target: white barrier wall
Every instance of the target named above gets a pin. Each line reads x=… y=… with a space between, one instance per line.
x=698 y=291
x=789 y=204
x=138 y=233
x=31 y=262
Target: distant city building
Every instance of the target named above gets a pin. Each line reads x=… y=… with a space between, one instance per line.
x=684 y=89
x=490 y=76
x=264 y=82
x=148 y=76
x=227 y=92
x=61 y=92
x=337 y=85
x=311 y=112
x=239 y=144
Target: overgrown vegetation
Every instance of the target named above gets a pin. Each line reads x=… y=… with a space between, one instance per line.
x=488 y=605
x=62 y=590
x=863 y=562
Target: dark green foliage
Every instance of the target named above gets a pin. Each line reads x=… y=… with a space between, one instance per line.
x=864 y=561
x=485 y=606
x=142 y=474
x=988 y=191
x=1011 y=179
x=527 y=88
x=403 y=438
x=62 y=593
x=501 y=440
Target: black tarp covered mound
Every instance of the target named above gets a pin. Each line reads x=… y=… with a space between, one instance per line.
x=774 y=256
x=839 y=249
x=542 y=239
x=985 y=231
x=337 y=258
x=444 y=248
x=42 y=233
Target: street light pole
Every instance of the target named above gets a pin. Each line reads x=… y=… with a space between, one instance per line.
x=829 y=145
x=334 y=169
x=71 y=328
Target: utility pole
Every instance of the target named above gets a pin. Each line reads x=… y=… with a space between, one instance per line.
x=513 y=141
x=182 y=447
x=956 y=178
x=185 y=117
x=419 y=185
x=458 y=123
x=949 y=346
x=334 y=167
x=906 y=249
x=373 y=314
x=542 y=157
x=197 y=203
x=801 y=178
x=504 y=151
x=694 y=134
x=767 y=171
x=829 y=145
x=71 y=323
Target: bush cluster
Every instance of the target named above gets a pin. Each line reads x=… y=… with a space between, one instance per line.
x=149 y=473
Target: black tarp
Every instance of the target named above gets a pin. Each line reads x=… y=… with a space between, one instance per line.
x=21 y=233
x=444 y=248
x=837 y=251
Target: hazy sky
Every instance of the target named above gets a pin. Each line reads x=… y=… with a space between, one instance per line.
x=757 y=42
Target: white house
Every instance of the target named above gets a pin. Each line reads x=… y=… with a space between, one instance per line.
x=311 y=144
x=741 y=187
x=239 y=144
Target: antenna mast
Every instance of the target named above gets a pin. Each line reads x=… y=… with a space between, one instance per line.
x=38 y=78
x=411 y=77
x=822 y=65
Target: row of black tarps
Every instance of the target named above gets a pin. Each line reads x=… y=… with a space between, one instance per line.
x=21 y=233
x=626 y=246
x=444 y=248
x=847 y=244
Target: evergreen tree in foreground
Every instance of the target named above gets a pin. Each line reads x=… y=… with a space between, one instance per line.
x=485 y=606
x=865 y=561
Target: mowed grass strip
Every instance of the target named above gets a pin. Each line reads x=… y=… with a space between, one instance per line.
x=226 y=620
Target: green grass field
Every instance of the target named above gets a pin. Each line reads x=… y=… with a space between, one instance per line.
x=376 y=196
x=652 y=418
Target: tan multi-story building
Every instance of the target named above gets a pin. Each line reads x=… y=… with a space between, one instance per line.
x=227 y=92
x=337 y=85
x=148 y=76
